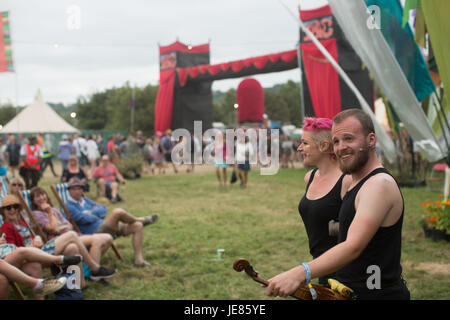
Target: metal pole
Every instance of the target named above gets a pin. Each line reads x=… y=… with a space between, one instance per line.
x=133 y=106
x=299 y=57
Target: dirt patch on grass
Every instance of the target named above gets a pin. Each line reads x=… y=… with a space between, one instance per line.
x=430 y=267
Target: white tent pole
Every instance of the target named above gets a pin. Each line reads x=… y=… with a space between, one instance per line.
x=390 y=154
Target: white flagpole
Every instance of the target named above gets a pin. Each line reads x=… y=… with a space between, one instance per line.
x=389 y=147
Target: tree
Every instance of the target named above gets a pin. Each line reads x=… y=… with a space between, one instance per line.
x=7 y=112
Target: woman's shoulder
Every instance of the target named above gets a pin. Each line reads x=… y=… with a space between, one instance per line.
x=308 y=176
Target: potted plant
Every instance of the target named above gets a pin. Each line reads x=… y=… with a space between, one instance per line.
x=436 y=220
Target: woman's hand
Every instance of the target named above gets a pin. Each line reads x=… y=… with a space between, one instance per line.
x=286 y=283
x=45 y=207
x=37 y=242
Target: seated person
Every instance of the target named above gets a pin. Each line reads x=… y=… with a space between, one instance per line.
x=88 y=215
x=107 y=174
x=41 y=287
x=30 y=259
x=16 y=184
x=55 y=225
x=73 y=170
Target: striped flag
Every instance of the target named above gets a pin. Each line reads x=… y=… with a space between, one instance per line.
x=6 y=61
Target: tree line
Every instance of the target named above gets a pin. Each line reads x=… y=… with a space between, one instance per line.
x=111 y=109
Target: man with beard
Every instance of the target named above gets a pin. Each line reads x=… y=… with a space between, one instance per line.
x=367 y=256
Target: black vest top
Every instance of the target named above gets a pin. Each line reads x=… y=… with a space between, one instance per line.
x=383 y=250
x=317 y=213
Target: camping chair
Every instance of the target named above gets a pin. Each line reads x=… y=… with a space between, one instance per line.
x=61 y=193
x=437 y=176
x=5 y=186
x=14 y=285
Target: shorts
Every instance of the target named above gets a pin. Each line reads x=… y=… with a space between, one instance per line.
x=108 y=183
x=168 y=157
x=244 y=166
x=220 y=164
x=6 y=249
x=120 y=232
x=49 y=246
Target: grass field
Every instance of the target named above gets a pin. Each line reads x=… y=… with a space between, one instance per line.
x=260 y=223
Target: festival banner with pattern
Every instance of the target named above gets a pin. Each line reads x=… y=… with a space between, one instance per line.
x=6 y=61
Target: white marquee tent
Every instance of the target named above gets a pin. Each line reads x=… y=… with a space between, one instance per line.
x=38 y=117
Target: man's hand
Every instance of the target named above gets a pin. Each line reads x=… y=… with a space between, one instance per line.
x=286 y=283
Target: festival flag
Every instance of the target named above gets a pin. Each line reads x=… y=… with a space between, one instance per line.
x=401 y=42
x=325 y=93
x=436 y=14
x=403 y=93
x=6 y=61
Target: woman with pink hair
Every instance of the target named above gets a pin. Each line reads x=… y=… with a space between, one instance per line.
x=325 y=187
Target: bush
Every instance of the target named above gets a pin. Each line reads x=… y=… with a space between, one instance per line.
x=130 y=167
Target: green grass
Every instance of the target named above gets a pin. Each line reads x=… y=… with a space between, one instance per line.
x=260 y=223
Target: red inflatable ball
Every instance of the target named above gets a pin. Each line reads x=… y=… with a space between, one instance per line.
x=250 y=100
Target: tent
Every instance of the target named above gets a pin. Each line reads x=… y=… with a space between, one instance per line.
x=38 y=117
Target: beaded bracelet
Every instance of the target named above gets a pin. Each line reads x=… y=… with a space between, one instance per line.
x=308 y=280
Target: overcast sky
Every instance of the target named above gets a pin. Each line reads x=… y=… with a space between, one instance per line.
x=115 y=41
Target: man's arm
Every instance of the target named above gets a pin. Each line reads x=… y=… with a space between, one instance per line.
x=79 y=215
x=97 y=209
x=373 y=203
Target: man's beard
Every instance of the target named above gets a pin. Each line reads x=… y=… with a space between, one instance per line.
x=360 y=159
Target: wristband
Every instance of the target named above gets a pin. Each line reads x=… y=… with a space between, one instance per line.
x=307 y=272
x=308 y=280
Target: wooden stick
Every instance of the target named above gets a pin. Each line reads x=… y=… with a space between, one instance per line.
x=30 y=214
x=66 y=211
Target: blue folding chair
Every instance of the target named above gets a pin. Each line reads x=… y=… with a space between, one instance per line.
x=5 y=186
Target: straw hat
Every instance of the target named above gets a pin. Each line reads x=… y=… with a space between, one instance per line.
x=8 y=200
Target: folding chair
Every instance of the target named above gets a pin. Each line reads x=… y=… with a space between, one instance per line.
x=61 y=193
x=14 y=285
x=5 y=186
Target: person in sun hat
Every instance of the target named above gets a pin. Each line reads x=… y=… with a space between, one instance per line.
x=68 y=243
x=89 y=217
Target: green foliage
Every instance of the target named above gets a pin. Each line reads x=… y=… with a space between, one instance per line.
x=111 y=109
x=130 y=167
x=7 y=112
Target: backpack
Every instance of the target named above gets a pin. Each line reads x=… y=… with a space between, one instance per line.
x=68 y=294
x=166 y=143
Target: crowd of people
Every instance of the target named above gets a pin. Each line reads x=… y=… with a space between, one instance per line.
x=30 y=239
x=352 y=209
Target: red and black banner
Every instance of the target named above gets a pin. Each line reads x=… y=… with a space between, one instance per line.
x=325 y=93
x=186 y=76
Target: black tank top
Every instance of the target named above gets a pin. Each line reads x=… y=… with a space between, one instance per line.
x=383 y=250
x=317 y=213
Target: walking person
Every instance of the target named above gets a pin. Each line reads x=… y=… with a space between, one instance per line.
x=13 y=154
x=220 y=159
x=65 y=150
x=31 y=154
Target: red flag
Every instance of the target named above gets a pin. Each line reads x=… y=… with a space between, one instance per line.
x=6 y=61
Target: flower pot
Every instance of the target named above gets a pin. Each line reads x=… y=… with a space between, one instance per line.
x=435 y=234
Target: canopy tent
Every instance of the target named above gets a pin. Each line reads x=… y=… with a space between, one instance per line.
x=38 y=117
